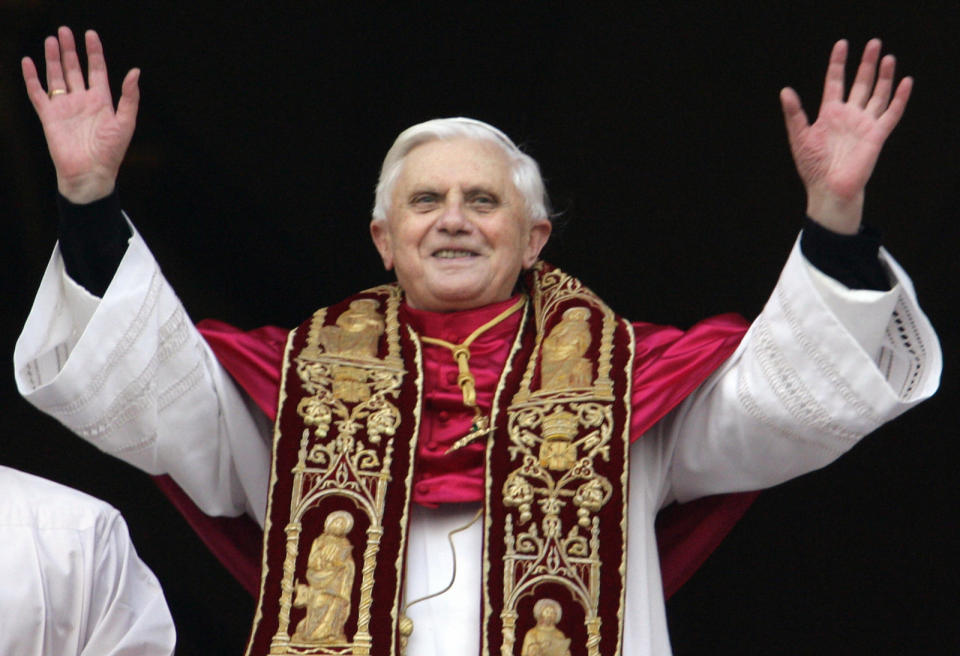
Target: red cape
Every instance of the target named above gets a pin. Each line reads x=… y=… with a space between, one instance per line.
x=670 y=364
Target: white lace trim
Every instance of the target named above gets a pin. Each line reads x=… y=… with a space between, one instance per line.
x=823 y=363
x=130 y=337
x=789 y=388
x=170 y=395
x=752 y=408
x=138 y=395
x=903 y=334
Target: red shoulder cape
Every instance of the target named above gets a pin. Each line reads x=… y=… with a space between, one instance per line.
x=669 y=365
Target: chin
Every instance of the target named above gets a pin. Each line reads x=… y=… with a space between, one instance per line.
x=450 y=298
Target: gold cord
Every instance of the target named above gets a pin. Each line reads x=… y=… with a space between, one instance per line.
x=465 y=379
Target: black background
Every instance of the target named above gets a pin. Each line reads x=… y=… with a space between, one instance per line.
x=659 y=133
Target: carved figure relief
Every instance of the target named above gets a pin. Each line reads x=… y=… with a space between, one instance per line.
x=545 y=639
x=357 y=331
x=564 y=366
x=330 y=573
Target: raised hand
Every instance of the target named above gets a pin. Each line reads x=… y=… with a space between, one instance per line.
x=836 y=155
x=86 y=137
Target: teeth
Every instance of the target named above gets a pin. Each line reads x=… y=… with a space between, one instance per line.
x=448 y=253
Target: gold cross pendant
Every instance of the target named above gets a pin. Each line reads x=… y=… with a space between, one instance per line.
x=480 y=426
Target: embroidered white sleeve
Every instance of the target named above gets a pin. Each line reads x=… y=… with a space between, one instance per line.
x=818 y=369
x=130 y=374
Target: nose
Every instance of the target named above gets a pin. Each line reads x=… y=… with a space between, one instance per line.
x=453 y=220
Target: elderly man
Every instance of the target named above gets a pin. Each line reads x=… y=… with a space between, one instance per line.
x=485 y=383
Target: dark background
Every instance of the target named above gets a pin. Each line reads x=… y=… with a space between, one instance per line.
x=658 y=129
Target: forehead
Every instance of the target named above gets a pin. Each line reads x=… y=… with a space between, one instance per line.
x=458 y=162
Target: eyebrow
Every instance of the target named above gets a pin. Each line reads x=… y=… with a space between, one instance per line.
x=471 y=191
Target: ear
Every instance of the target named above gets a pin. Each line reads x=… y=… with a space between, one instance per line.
x=536 y=240
x=380 y=232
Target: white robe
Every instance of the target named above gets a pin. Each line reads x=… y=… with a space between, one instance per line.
x=72 y=583
x=821 y=367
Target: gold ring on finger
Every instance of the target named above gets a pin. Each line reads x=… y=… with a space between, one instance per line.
x=56 y=92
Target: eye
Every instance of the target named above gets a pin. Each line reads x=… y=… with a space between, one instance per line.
x=483 y=201
x=423 y=200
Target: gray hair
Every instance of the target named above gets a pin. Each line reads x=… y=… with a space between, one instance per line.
x=525 y=171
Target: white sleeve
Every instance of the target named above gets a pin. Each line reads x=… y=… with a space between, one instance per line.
x=130 y=374
x=821 y=367
x=127 y=612
x=72 y=582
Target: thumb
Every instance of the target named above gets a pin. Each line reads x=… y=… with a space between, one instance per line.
x=129 y=98
x=793 y=115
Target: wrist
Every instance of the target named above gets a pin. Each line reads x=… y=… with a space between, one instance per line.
x=840 y=215
x=86 y=190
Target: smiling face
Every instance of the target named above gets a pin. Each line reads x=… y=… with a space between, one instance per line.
x=457 y=232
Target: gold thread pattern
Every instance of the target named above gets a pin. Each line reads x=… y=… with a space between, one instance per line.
x=560 y=441
x=545 y=639
x=350 y=417
x=326 y=594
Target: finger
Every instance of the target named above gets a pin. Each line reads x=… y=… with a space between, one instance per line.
x=96 y=63
x=793 y=115
x=35 y=92
x=833 y=84
x=881 y=93
x=129 y=99
x=863 y=83
x=889 y=119
x=51 y=56
x=70 y=60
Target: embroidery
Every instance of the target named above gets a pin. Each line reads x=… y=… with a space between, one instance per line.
x=124 y=345
x=567 y=461
x=822 y=362
x=348 y=423
x=788 y=385
x=329 y=584
x=347 y=409
x=545 y=639
x=137 y=395
x=749 y=404
x=903 y=334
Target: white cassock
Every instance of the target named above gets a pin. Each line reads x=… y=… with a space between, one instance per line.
x=71 y=583
x=821 y=367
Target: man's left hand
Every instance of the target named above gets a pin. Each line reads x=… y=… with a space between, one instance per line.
x=836 y=155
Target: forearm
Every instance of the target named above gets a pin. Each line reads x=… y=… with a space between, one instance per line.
x=800 y=390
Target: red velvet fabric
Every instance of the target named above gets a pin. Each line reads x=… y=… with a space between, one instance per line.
x=669 y=364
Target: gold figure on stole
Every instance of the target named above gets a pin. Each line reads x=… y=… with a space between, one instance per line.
x=357 y=331
x=564 y=366
x=330 y=572
x=545 y=639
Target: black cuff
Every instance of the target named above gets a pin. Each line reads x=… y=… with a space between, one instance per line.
x=852 y=260
x=93 y=239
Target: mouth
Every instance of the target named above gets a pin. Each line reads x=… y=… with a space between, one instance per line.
x=453 y=253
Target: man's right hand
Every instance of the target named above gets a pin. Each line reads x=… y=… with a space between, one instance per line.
x=86 y=137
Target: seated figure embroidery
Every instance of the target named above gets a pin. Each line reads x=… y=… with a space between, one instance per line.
x=330 y=572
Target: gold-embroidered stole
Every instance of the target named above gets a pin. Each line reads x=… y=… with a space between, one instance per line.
x=556 y=485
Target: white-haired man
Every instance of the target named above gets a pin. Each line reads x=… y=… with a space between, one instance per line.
x=484 y=384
